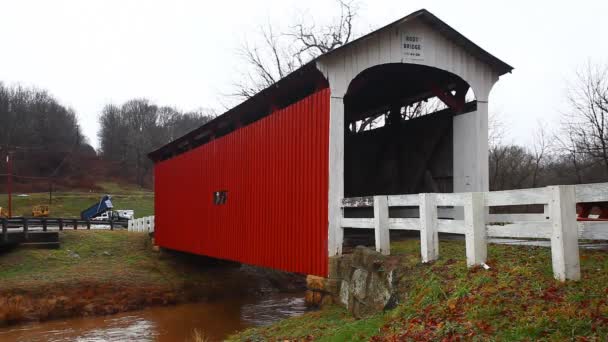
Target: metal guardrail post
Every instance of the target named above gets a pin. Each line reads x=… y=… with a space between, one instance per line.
x=44 y=226
x=75 y=224
x=25 y=229
x=4 y=230
x=111 y=224
x=89 y=224
x=60 y=221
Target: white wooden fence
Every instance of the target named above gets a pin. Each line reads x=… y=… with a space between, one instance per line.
x=440 y=213
x=143 y=224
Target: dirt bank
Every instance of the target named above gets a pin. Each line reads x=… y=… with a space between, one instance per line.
x=99 y=273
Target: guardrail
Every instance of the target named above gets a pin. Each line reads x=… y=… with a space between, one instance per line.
x=144 y=224
x=467 y=213
x=27 y=224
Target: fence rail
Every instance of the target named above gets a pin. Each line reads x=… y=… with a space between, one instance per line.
x=144 y=224
x=468 y=214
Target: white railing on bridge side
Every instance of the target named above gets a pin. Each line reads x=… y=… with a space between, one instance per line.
x=143 y=224
x=467 y=213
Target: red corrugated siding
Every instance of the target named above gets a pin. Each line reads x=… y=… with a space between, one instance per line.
x=276 y=174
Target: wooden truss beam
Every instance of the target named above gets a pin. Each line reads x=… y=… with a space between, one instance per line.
x=454 y=101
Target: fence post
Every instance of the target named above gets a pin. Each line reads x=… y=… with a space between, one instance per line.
x=429 y=238
x=111 y=224
x=75 y=224
x=44 y=227
x=152 y=218
x=475 y=229
x=60 y=224
x=381 y=230
x=88 y=224
x=564 y=238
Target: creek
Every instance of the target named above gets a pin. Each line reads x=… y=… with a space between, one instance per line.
x=215 y=320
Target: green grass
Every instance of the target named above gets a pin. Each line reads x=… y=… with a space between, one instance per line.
x=70 y=204
x=103 y=272
x=517 y=299
x=89 y=256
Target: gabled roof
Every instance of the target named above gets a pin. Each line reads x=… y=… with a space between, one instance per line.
x=451 y=34
x=301 y=83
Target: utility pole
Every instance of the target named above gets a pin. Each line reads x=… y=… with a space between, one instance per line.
x=9 y=182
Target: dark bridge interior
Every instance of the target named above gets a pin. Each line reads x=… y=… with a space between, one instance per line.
x=398 y=132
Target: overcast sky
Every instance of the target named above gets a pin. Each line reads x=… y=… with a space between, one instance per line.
x=183 y=53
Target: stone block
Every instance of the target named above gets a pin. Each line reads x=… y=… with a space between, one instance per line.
x=378 y=292
x=358 y=284
x=332 y=286
x=334 y=266
x=313 y=298
x=309 y=299
x=355 y=309
x=315 y=283
x=366 y=286
x=327 y=300
x=346 y=267
x=345 y=293
x=317 y=297
x=357 y=256
x=371 y=259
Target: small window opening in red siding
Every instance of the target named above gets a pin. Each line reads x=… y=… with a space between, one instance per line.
x=220 y=197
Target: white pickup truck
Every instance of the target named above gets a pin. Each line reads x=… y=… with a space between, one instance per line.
x=116 y=215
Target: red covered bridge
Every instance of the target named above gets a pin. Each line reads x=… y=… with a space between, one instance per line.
x=263 y=183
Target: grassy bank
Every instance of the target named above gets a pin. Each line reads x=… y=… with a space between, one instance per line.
x=70 y=204
x=517 y=299
x=103 y=272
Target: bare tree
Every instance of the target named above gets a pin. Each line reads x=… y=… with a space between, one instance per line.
x=496 y=130
x=43 y=131
x=129 y=131
x=567 y=148
x=407 y=112
x=586 y=123
x=511 y=167
x=539 y=151
x=279 y=53
x=496 y=133
x=315 y=41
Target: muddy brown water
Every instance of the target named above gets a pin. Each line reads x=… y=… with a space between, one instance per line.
x=216 y=319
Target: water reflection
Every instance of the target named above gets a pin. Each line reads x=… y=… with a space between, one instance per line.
x=177 y=323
